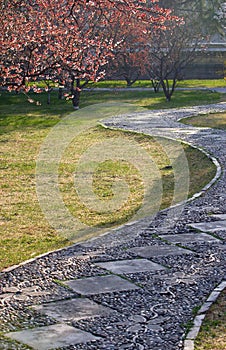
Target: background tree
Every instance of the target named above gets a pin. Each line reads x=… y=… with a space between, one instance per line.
x=171 y=51
x=127 y=64
x=168 y=57
x=206 y=15
x=129 y=57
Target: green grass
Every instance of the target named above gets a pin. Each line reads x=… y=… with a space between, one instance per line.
x=213 y=120
x=212 y=335
x=23 y=127
x=195 y=83
x=151 y=100
x=16 y=112
x=199 y=83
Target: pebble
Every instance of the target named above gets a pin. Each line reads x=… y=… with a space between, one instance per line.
x=137 y=319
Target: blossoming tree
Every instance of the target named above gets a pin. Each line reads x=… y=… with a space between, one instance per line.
x=66 y=39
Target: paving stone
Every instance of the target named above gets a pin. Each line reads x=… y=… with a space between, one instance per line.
x=100 y=284
x=73 y=309
x=190 y=238
x=210 y=226
x=131 y=266
x=51 y=337
x=158 y=251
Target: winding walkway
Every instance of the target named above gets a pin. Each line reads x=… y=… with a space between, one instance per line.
x=137 y=286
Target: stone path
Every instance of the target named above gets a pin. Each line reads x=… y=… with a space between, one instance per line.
x=135 y=288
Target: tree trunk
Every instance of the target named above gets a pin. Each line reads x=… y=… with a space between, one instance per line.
x=48 y=97
x=76 y=99
x=166 y=93
x=76 y=92
x=60 y=92
x=155 y=84
x=166 y=89
x=128 y=82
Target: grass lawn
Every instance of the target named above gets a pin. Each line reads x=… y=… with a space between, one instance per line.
x=212 y=335
x=25 y=232
x=194 y=83
x=205 y=83
x=216 y=120
x=151 y=100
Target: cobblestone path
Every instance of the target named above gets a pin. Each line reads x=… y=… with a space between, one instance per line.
x=136 y=287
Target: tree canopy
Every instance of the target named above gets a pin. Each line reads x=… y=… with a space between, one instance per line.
x=61 y=39
x=207 y=15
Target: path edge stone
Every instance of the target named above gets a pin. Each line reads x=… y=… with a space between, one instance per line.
x=214 y=161
x=189 y=341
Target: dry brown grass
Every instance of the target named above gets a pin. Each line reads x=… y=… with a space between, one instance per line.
x=25 y=232
x=216 y=121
